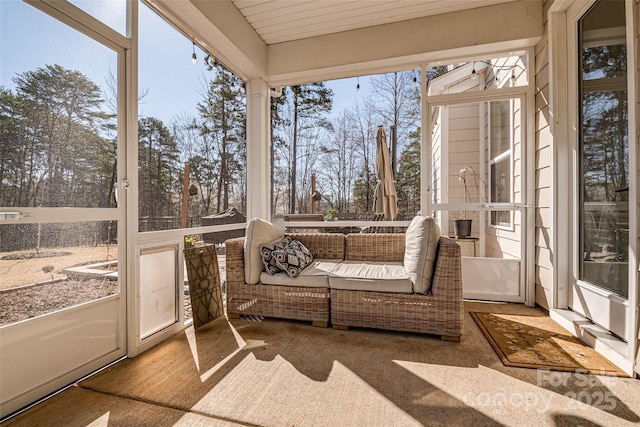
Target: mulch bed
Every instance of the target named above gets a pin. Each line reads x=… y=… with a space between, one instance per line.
x=29 y=301
x=31 y=255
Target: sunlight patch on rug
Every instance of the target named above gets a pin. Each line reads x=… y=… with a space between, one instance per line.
x=241 y=346
x=287 y=394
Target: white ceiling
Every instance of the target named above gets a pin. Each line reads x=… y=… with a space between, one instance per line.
x=278 y=21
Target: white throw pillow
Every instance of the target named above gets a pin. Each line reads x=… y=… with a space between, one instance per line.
x=421 y=244
x=259 y=232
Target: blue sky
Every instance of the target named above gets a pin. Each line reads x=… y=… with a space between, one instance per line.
x=345 y=94
x=30 y=39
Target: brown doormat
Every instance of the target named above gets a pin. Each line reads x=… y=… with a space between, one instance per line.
x=538 y=342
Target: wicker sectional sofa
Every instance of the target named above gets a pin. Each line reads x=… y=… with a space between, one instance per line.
x=324 y=297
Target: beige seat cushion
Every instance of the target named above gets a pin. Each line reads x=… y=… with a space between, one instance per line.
x=371 y=276
x=314 y=276
x=259 y=232
x=421 y=244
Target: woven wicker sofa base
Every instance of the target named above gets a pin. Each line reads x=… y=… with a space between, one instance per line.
x=440 y=313
x=286 y=302
x=399 y=312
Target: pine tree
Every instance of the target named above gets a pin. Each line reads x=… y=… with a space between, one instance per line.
x=310 y=101
x=157 y=169
x=223 y=127
x=408 y=179
x=65 y=156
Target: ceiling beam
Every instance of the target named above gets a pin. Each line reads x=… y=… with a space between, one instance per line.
x=514 y=25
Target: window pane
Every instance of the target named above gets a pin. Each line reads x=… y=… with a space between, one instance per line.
x=501 y=190
x=604 y=149
x=192 y=122
x=500 y=127
x=51 y=266
x=58 y=113
x=110 y=12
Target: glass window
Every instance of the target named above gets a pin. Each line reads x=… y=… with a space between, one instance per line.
x=191 y=125
x=500 y=191
x=500 y=129
x=57 y=113
x=604 y=148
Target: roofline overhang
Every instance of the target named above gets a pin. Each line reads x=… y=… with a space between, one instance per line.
x=220 y=29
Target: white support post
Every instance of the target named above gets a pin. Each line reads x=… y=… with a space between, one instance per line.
x=258 y=159
x=128 y=181
x=426 y=179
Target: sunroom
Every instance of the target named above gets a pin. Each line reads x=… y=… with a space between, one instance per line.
x=528 y=128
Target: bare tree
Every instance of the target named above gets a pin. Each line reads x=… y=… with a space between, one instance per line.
x=364 y=124
x=339 y=164
x=397 y=103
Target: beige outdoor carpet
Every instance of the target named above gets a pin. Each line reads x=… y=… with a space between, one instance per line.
x=538 y=342
x=277 y=373
x=78 y=407
x=287 y=373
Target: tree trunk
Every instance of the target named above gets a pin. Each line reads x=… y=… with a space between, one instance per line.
x=224 y=158
x=294 y=148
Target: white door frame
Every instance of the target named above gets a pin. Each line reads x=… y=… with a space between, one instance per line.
x=563 y=93
x=101 y=324
x=525 y=94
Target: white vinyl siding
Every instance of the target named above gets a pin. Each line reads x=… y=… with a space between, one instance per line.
x=544 y=174
x=463 y=140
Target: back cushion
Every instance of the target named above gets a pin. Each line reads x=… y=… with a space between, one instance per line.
x=259 y=232
x=421 y=244
x=322 y=245
x=375 y=247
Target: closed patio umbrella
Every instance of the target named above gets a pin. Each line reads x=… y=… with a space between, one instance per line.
x=385 y=197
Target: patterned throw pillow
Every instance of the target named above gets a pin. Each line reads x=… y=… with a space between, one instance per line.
x=293 y=258
x=266 y=252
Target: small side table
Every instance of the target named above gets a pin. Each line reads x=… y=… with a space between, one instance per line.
x=473 y=240
x=204 y=284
